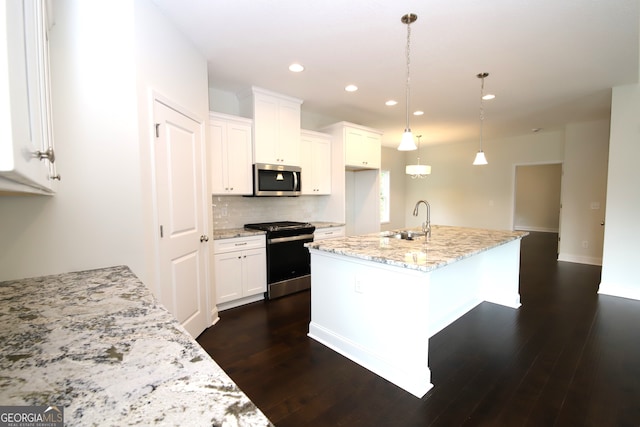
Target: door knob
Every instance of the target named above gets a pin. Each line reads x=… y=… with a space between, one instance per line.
x=204 y=238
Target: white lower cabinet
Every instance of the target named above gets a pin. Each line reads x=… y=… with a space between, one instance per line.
x=240 y=266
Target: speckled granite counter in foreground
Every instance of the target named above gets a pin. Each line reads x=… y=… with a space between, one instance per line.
x=447 y=245
x=97 y=343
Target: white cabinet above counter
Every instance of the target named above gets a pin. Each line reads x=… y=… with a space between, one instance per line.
x=230 y=140
x=276 y=126
x=26 y=134
x=315 y=149
x=362 y=145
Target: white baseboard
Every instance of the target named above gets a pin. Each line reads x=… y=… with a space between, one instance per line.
x=615 y=290
x=539 y=229
x=580 y=259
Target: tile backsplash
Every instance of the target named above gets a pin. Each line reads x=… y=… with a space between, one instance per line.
x=235 y=211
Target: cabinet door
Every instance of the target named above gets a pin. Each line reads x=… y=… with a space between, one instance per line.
x=229 y=276
x=238 y=165
x=372 y=150
x=288 y=148
x=217 y=138
x=254 y=270
x=353 y=147
x=265 y=125
x=321 y=166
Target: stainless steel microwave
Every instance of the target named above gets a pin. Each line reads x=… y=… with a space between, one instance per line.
x=276 y=180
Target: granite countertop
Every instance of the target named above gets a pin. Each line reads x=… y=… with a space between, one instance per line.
x=231 y=233
x=98 y=343
x=447 y=245
x=326 y=224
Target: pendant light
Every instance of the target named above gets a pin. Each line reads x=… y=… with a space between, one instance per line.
x=407 y=143
x=480 y=158
x=418 y=170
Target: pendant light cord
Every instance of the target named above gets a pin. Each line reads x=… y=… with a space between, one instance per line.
x=408 y=72
x=481 y=111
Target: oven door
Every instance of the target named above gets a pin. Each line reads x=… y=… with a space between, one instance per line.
x=288 y=258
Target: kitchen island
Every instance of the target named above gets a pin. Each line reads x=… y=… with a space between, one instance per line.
x=98 y=344
x=378 y=298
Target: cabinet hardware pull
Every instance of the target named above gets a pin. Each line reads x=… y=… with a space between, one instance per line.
x=240 y=244
x=49 y=155
x=55 y=177
x=204 y=238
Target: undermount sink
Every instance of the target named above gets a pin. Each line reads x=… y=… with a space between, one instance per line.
x=405 y=235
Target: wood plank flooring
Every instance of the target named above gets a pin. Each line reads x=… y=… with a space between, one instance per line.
x=567 y=357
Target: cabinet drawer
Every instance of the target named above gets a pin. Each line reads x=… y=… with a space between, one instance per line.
x=238 y=244
x=328 y=233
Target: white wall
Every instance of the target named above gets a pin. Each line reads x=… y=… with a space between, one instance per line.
x=622 y=231
x=584 y=189
x=537 y=203
x=477 y=196
x=167 y=64
x=95 y=219
x=105 y=57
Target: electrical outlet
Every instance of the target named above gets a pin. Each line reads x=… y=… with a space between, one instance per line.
x=585 y=244
x=358 y=286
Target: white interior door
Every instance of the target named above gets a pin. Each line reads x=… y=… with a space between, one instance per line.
x=181 y=199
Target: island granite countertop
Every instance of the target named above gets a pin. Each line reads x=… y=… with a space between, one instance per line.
x=98 y=343
x=448 y=244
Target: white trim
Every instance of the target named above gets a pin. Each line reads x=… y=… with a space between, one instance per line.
x=580 y=259
x=615 y=290
x=153 y=96
x=537 y=229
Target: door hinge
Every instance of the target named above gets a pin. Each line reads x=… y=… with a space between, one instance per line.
x=157 y=130
x=161 y=232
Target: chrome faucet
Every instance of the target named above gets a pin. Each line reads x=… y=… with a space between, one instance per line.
x=426 y=226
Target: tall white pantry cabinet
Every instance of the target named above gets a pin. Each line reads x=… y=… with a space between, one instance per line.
x=27 y=154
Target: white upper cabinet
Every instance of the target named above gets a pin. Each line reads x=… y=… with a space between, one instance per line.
x=362 y=145
x=276 y=126
x=315 y=149
x=362 y=148
x=230 y=148
x=26 y=134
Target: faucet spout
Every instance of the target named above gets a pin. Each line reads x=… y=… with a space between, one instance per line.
x=426 y=226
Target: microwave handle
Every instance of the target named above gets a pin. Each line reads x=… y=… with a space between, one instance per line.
x=295 y=181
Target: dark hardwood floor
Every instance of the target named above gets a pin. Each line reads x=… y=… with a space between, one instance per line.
x=567 y=357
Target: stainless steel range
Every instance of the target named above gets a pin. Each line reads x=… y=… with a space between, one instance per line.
x=288 y=261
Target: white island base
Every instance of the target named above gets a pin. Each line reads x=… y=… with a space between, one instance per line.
x=381 y=316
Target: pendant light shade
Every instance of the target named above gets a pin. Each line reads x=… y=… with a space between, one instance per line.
x=418 y=170
x=407 y=143
x=480 y=158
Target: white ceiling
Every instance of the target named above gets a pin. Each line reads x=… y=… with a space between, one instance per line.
x=550 y=61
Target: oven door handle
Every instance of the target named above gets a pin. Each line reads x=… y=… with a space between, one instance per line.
x=290 y=239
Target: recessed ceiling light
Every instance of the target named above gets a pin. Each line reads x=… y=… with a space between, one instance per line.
x=391 y=103
x=534 y=130
x=351 y=88
x=296 y=68
x=418 y=113
x=488 y=96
